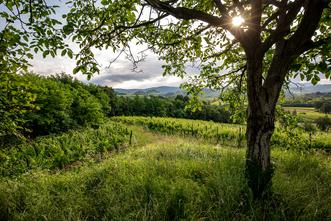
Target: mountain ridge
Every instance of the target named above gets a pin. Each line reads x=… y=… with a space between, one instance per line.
x=305 y=88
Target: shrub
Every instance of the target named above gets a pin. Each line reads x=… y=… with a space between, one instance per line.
x=309 y=127
x=325 y=108
x=323 y=123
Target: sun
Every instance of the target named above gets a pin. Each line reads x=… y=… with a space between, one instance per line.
x=237 y=21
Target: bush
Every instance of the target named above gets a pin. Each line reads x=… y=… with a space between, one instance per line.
x=323 y=123
x=309 y=127
x=325 y=108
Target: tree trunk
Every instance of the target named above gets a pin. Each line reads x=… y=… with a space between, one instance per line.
x=260 y=127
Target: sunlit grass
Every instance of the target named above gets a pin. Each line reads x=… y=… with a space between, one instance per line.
x=171 y=180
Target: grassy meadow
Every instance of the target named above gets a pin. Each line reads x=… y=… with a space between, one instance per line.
x=161 y=174
x=306 y=113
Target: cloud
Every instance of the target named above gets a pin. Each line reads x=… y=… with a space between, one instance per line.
x=153 y=82
x=119 y=74
x=122 y=71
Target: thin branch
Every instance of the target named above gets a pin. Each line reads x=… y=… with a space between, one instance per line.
x=220 y=6
x=189 y=37
x=243 y=71
x=115 y=59
x=188 y=14
x=217 y=54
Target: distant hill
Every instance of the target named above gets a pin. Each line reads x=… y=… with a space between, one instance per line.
x=308 y=88
x=173 y=91
x=162 y=91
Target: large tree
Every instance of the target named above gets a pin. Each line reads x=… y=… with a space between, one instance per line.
x=259 y=44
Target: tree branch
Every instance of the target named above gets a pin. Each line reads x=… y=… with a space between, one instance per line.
x=217 y=54
x=308 y=25
x=289 y=14
x=314 y=44
x=186 y=13
x=220 y=6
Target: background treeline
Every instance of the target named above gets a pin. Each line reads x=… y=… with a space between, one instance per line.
x=168 y=107
x=32 y=105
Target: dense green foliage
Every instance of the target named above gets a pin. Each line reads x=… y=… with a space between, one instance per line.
x=60 y=151
x=158 y=106
x=172 y=179
x=33 y=105
x=16 y=99
x=39 y=105
x=288 y=136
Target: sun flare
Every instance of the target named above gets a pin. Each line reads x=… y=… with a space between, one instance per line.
x=237 y=21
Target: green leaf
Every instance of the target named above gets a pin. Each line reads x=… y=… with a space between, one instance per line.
x=63 y=53
x=45 y=53
x=315 y=80
x=29 y=55
x=69 y=52
x=25 y=38
x=296 y=67
x=76 y=70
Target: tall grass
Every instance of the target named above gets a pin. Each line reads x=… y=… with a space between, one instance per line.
x=174 y=181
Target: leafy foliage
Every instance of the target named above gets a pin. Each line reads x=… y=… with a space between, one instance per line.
x=16 y=100
x=60 y=151
x=28 y=26
x=34 y=105
x=168 y=107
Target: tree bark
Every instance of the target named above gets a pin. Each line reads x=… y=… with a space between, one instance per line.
x=260 y=127
x=262 y=100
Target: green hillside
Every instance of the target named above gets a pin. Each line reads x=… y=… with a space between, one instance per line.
x=155 y=175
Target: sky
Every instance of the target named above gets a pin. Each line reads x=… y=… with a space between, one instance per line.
x=118 y=75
